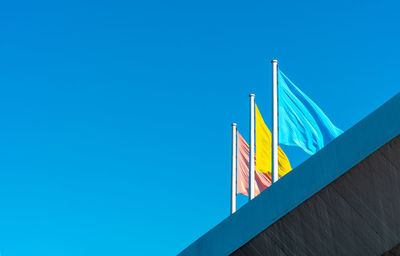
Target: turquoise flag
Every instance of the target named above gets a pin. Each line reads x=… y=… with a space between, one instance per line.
x=301 y=122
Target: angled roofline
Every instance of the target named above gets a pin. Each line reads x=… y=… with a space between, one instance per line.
x=300 y=184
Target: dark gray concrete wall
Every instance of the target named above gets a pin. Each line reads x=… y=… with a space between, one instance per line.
x=357 y=214
x=395 y=251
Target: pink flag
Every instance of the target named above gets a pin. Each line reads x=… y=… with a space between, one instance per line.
x=262 y=179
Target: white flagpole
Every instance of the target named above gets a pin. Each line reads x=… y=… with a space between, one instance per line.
x=274 y=175
x=251 y=159
x=233 y=185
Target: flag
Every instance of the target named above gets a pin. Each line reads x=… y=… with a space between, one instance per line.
x=301 y=122
x=264 y=149
x=262 y=181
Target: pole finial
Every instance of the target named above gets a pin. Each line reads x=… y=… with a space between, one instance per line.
x=252 y=95
x=234 y=124
x=274 y=61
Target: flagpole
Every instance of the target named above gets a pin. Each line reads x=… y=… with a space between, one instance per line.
x=274 y=175
x=251 y=158
x=233 y=173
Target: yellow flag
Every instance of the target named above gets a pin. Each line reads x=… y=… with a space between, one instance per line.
x=264 y=149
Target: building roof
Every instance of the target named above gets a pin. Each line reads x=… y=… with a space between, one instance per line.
x=235 y=233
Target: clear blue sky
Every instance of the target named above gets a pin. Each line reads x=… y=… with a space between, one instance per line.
x=116 y=116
